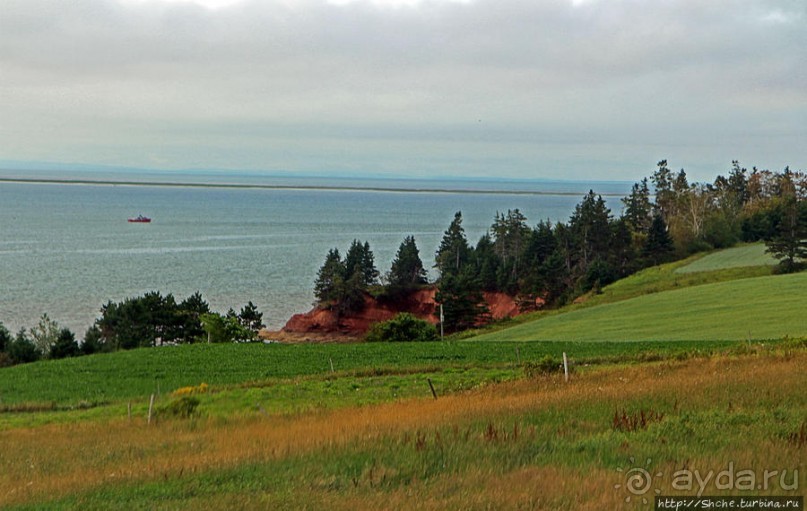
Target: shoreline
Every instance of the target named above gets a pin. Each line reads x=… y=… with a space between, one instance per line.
x=330 y=188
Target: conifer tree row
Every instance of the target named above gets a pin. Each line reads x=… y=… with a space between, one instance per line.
x=664 y=217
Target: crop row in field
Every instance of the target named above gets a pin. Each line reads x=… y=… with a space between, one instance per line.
x=124 y=375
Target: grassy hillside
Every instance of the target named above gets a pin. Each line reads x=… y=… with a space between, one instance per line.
x=736 y=257
x=753 y=308
x=532 y=444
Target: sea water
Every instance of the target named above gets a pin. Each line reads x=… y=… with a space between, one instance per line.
x=66 y=249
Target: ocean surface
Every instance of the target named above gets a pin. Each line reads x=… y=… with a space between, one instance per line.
x=66 y=249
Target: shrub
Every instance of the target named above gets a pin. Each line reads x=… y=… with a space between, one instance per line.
x=202 y=388
x=182 y=408
x=404 y=327
x=547 y=365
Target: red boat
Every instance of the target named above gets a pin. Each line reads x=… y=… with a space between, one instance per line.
x=140 y=219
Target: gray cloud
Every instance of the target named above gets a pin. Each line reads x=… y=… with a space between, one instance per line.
x=489 y=87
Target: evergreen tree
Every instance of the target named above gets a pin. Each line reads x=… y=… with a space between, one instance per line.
x=330 y=278
x=250 y=318
x=148 y=320
x=665 y=197
x=589 y=227
x=658 y=247
x=93 y=342
x=789 y=243
x=540 y=247
x=360 y=260
x=351 y=295
x=462 y=300
x=407 y=270
x=454 y=251
x=554 y=277
x=542 y=243
x=638 y=207
x=487 y=263
x=65 y=345
x=622 y=254
x=22 y=349
x=5 y=338
x=190 y=318
x=510 y=237
x=342 y=290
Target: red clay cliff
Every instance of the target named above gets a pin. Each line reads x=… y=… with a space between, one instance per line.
x=321 y=323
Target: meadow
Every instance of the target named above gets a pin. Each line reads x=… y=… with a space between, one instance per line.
x=533 y=443
x=761 y=308
x=103 y=378
x=743 y=256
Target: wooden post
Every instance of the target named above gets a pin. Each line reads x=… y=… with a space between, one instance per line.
x=129 y=410
x=151 y=407
x=434 y=393
x=331 y=361
x=565 y=368
x=518 y=356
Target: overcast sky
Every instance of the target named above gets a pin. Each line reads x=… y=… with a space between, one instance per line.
x=586 y=89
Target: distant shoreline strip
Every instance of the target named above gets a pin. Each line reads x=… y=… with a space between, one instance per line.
x=246 y=186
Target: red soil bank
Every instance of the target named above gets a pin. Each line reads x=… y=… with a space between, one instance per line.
x=323 y=323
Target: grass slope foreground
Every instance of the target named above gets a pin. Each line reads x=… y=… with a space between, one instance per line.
x=760 y=308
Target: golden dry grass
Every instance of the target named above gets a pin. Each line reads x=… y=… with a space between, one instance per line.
x=57 y=460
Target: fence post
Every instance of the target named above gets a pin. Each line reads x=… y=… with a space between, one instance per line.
x=565 y=368
x=434 y=393
x=151 y=407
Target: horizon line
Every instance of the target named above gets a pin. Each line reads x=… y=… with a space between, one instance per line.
x=258 y=186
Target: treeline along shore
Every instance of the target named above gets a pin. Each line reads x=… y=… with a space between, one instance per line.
x=547 y=265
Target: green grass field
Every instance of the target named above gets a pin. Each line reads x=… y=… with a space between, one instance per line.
x=736 y=257
x=115 y=377
x=753 y=308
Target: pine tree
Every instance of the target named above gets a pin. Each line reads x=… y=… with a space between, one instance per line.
x=65 y=345
x=251 y=318
x=454 y=251
x=330 y=278
x=461 y=299
x=658 y=247
x=407 y=269
x=589 y=227
x=638 y=207
x=361 y=261
x=510 y=238
x=789 y=243
x=487 y=263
